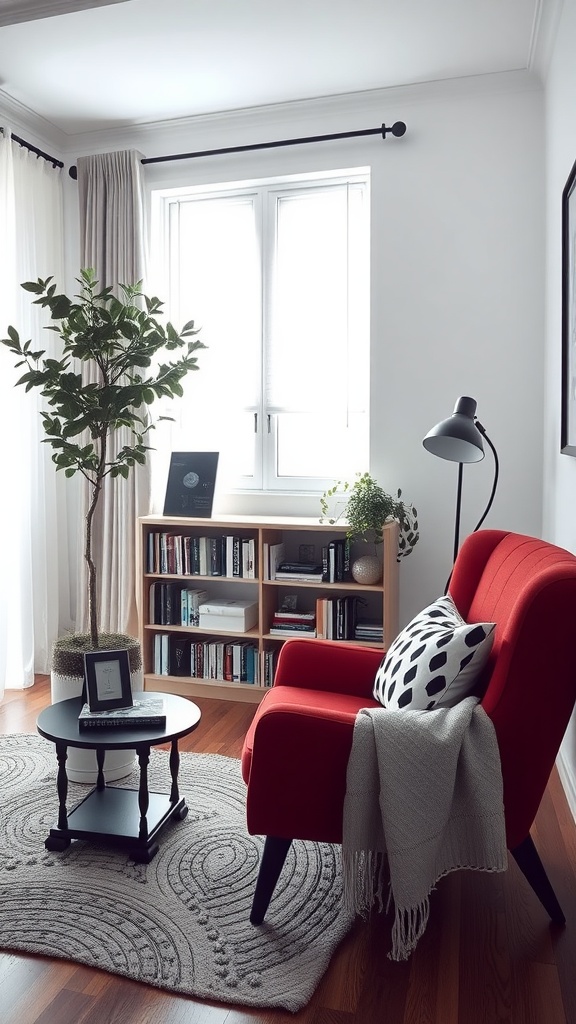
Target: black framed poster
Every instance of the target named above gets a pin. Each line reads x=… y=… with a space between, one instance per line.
x=568 y=423
x=191 y=484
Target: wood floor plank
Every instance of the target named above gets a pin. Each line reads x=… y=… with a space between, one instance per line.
x=489 y=954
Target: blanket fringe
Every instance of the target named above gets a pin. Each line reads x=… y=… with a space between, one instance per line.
x=365 y=876
x=409 y=926
x=365 y=882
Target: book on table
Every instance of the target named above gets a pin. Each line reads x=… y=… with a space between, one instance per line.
x=144 y=711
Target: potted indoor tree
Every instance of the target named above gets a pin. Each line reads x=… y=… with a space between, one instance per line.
x=366 y=506
x=133 y=359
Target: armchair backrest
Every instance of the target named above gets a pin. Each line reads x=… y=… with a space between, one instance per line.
x=528 y=588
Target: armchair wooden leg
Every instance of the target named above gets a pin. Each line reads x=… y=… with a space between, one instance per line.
x=528 y=860
x=273 y=857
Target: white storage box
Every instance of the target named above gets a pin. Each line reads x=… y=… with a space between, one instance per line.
x=236 y=616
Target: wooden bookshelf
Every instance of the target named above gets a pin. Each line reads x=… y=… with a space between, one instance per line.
x=379 y=602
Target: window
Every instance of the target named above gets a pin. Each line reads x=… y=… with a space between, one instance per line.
x=276 y=274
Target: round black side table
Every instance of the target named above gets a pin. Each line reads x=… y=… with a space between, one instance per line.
x=129 y=818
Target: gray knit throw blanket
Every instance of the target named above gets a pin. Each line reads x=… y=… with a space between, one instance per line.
x=423 y=798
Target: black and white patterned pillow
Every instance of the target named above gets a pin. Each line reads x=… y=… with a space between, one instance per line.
x=435 y=661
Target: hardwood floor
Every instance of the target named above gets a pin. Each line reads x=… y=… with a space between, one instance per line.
x=489 y=954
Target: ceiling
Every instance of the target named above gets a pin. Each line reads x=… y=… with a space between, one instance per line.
x=84 y=65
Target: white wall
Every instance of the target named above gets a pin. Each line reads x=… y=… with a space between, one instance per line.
x=559 y=470
x=457 y=279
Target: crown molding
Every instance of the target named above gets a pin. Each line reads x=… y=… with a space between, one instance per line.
x=544 y=29
x=12 y=12
x=19 y=118
x=344 y=112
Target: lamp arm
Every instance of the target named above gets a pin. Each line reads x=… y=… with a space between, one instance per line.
x=496 y=473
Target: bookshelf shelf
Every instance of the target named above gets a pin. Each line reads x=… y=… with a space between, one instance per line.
x=216 y=649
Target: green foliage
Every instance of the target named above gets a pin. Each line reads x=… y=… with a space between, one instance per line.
x=368 y=507
x=120 y=338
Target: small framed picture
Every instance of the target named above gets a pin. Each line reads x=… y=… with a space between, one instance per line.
x=107 y=678
x=191 y=484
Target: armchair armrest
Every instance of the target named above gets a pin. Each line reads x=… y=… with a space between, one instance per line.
x=327 y=665
x=294 y=762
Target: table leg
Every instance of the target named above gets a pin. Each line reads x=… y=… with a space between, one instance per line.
x=143 y=795
x=62 y=784
x=100 y=781
x=55 y=841
x=174 y=767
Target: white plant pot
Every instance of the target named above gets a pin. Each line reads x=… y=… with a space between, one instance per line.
x=81 y=764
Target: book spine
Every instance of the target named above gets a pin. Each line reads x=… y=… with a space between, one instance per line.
x=178 y=555
x=163 y=553
x=204 y=556
x=125 y=723
x=170 y=559
x=215 y=556
x=332 y=562
x=237 y=564
x=339 y=561
x=245 y=557
x=229 y=556
x=195 y=556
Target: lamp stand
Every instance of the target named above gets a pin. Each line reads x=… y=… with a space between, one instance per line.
x=458 y=510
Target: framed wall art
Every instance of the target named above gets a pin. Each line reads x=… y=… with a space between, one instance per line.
x=191 y=484
x=568 y=421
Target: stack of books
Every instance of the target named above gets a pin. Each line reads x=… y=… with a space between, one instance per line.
x=144 y=711
x=288 y=623
x=304 y=572
x=371 y=632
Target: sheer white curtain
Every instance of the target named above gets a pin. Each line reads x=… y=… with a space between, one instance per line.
x=32 y=512
x=112 y=234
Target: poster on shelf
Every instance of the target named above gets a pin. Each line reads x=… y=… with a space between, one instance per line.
x=191 y=484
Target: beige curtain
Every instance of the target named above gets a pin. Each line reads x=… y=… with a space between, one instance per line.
x=112 y=242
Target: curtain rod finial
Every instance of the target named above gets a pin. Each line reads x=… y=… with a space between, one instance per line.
x=398 y=129
x=73 y=172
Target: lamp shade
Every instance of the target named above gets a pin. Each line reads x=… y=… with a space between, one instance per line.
x=457 y=438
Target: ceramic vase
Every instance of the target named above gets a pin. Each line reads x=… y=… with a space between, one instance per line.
x=367 y=569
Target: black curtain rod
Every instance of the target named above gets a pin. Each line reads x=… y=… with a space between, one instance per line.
x=34 y=149
x=398 y=129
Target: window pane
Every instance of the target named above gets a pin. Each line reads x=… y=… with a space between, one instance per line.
x=309 y=318
x=320 y=446
x=216 y=281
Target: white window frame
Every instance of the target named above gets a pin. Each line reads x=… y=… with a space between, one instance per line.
x=265 y=193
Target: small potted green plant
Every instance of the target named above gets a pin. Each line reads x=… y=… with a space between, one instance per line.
x=366 y=506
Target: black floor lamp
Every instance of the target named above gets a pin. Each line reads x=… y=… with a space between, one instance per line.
x=459 y=439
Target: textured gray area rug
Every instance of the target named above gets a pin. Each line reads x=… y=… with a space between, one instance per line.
x=181 y=922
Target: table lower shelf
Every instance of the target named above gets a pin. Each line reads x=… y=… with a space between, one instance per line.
x=112 y=815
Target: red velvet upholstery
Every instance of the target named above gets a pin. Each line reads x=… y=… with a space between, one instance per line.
x=296 y=751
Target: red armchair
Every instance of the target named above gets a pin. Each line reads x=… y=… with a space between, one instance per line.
x=296 y=751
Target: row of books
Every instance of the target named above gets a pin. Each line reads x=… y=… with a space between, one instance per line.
x=334 y=619
x=183 y=555
x=334 y=567
x=338 y=619
x=171 y=604
x=235 y=662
